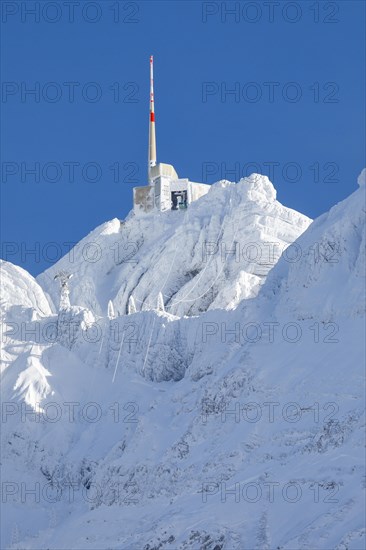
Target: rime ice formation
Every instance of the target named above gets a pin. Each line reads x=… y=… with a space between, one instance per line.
x=210 y=256
x=233 y=419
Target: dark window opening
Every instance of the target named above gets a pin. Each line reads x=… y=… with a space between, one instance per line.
x=179 y=200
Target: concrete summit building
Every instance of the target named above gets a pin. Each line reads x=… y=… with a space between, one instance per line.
x=165 y=191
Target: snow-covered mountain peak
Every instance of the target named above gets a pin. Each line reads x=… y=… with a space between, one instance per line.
x=253 y=188
x=241 y=427
x=211 y=256
x=328 y=257
x=361 y=180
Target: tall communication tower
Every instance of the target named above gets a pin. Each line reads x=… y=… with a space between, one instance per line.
x=152 y=139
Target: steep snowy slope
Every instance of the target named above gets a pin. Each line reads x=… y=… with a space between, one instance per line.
x=22 y=301
x=20 y=289
x=212 y=256
x=328 y=264
x=236 y=429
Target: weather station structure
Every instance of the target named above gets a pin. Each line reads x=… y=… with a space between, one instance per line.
x=165 y=190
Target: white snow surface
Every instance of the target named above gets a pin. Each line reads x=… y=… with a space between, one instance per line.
x=187 y=256
x=19 y=290
x=221 y=424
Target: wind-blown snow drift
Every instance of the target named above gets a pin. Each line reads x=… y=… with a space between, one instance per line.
x=235 y=429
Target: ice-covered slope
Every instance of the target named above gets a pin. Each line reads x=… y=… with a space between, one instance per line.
x=22 y=301
x=20 y=290
x=186 y=256
x=327 y=265
x=232 y=430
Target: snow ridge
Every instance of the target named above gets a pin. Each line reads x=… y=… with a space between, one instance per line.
x=188 y=257
x=229 y=422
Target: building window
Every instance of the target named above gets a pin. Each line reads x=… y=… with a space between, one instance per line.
x=179 y=200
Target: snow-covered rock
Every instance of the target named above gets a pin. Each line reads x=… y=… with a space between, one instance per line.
x=213 y=255
x=326 y=265
x=242 y=427
x=19 y=290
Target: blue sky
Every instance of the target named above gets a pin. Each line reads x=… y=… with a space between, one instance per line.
x=296 y=113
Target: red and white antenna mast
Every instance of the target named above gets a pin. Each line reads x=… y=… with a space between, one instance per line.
x=152 y=139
